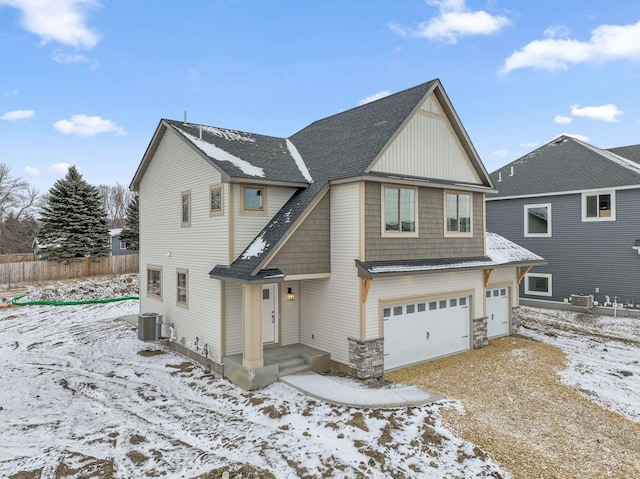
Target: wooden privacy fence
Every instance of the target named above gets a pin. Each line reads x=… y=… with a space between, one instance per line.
x=17 y=257
x=36 y=271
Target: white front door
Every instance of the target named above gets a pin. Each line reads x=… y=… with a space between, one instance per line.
x=497 y=312
x=270 y=313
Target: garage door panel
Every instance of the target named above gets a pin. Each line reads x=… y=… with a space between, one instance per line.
x=497 y=312
x=415 y=332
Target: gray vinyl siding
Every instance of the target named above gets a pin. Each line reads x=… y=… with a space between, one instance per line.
x=308 y=250
x=431 y=242
x=581 y=256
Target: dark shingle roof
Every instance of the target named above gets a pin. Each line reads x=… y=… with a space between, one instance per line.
x=340 y=146
x=631 y=152
x=243 y=155
x=564 y=164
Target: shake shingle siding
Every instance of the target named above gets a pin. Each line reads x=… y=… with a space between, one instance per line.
x=582 y=256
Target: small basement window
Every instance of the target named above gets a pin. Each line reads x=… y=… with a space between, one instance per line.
x=538 y=284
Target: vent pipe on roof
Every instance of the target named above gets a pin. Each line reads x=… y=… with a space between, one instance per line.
x=511 y=174
x=201 y=132
x=185 y=117
x=499 y=176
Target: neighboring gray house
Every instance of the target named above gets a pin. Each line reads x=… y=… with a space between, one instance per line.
x=358 y=244
x=578 y=206
x=119 y=247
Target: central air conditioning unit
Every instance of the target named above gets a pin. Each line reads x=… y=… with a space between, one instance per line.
x=582 y=300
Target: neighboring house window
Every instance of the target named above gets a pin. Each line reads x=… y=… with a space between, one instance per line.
x=254 y=200
x=154 y=282
x=599 y=206
x=123 y=245
x=182 y=284
x=537 y=220
x=457 y=214
x=399 y=206
x=215 y=200
x=186 y=208
x=538 y=284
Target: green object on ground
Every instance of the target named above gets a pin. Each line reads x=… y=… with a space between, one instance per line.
x=15 y=301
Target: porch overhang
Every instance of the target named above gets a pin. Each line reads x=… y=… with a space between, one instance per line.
x=264 y=276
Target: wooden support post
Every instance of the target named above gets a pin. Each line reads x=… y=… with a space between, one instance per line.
x=487 y=275
x=521 y=273
x=366 y=284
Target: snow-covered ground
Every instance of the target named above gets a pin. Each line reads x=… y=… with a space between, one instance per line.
x=603 y=353
x=81 y=396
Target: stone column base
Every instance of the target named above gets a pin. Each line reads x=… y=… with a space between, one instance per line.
x=480 y=339
x=515 y=320
x=367 y=357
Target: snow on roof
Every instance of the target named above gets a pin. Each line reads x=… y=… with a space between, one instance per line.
x=115 y=232
x=299 y=161
x=609 y=155
x=219 y=154
x=500 y=251
x=231 y=135
x=256 y=248
x=503 y=251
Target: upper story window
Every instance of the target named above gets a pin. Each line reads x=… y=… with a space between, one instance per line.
x=215 y=200
x=537 y=220
x=599 y=206
x=154 y=282
x=458 y=216
x=399 y=207
x=253 y=200
x=186 y=208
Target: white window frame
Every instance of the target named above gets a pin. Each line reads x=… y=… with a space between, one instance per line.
x=383 y=223
x=220 y=210
x=244 y=210
x=123 y=244
x=185 y=303
x=185 y=195
x=159 y=270
x=612 y=196
x=457 y=234
x=549 y=278
x=548 y=234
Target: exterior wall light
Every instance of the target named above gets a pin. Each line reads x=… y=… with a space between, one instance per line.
x=290 y=295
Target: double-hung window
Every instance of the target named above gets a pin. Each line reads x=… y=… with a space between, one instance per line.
x=537 y=220
x=215 y=200
x=182 y=287
x=253 y=200
x=399 y=206
x=458 y=215
x=154 y=282
x=599 y=206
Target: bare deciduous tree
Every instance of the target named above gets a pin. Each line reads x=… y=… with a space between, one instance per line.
x=18 y=201
x=114 y=201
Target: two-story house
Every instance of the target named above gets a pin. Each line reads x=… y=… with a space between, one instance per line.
x=578 y=206
x=361 y=236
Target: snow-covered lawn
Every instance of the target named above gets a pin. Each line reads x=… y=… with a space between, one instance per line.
x=81 y=396
x=603 y=353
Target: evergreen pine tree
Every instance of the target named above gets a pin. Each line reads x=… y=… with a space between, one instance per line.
x=74 y=224
x=130 y=234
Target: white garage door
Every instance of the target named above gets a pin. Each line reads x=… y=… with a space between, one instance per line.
x=421 y=330
x=497 y=312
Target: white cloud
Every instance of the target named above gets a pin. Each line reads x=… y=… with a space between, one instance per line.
x=530 y=144
x=608 y=112
x=562 y=120
x=557 y=31
x=607 y=43
x=500 y=153
x=59 y=168
x=64 y=58
x=18 y=115
x=374 y=97
x=577 y=136
x=29 y=170
x=455 y=21
x=84 y=125
x=61 y=21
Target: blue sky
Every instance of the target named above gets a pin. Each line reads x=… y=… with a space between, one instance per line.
x=85 y=82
